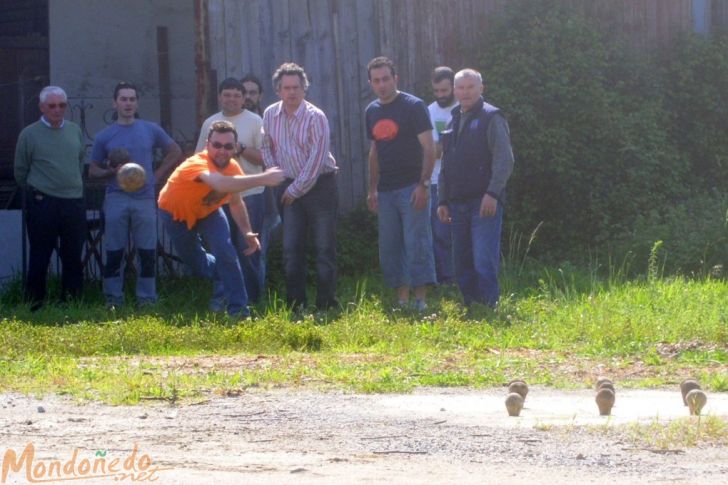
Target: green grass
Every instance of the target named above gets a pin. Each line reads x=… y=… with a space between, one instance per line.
x=660 y=435
x=678 y=433
x=557 y=327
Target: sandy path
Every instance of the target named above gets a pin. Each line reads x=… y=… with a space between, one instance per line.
x=430 y=436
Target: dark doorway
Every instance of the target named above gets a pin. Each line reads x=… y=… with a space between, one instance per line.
x=23 y=73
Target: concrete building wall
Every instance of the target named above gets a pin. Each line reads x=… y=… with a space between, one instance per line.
x=96 y=43
x=11 y=241
x=93 y=45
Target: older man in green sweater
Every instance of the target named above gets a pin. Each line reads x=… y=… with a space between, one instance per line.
x=48 y=166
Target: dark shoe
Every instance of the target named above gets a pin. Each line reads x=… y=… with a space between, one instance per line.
x=241 y=316
x=145 y=304
x=217 y=305
x=328 y=305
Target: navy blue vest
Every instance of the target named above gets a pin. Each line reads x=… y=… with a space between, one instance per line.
x=467 y=158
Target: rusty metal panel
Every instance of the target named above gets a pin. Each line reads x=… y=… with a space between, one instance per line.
x=204 y=89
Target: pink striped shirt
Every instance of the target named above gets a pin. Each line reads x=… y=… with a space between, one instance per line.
x=298 y=144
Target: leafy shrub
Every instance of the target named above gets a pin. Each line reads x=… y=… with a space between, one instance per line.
x=695 y=73
x=591 y=144
x=357 y=243
x=357 y=252
x=694 y=234
x=303 y=338
x=611 y=147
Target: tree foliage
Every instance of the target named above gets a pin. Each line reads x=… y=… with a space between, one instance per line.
x=604 y=137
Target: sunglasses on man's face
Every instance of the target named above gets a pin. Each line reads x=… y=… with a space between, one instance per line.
x=57 y=105
x=227 y=146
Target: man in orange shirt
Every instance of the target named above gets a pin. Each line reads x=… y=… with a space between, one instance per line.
x=190 y=207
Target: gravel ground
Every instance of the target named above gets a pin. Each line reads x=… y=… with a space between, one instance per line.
x=430 y=436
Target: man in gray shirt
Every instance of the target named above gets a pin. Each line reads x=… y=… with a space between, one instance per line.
x=477 y=162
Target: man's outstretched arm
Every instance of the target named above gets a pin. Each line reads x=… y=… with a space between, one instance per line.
x=240 y=183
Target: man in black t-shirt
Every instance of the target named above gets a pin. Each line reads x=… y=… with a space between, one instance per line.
x=401 y=158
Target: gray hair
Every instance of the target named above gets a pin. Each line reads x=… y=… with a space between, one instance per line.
x=471 y=73
x=48 y=90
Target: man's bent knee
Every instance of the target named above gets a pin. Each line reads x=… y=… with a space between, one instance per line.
x=112 y=268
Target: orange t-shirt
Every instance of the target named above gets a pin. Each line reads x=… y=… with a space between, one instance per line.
x=189 y=199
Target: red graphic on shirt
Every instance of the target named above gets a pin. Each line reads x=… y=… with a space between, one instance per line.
x=385 y=130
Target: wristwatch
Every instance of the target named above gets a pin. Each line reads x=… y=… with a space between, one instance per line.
x=426 y=184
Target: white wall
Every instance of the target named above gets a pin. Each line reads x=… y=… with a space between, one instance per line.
x=93 y=45
x=96 y=43
x=11 y=241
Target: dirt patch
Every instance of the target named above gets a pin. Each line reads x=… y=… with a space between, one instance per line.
x=201 y=364
x=568 y=367
x=429 y=436
x=192 y=365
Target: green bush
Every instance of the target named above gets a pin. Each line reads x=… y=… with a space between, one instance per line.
x=695 y=73
x=357 y=243
x=694 y=235
x=357 y=251
x=612 y=145
x=591 y=142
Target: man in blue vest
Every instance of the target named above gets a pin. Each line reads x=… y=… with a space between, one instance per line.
x=477 y=162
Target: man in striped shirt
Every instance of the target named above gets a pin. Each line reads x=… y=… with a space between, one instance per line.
x=297 y=140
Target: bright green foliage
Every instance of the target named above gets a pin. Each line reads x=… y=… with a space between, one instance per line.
x=555 y=326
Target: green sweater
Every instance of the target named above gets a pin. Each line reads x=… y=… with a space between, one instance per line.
x=51 y=159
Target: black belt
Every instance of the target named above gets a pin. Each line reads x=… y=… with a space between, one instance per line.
x=288 y=181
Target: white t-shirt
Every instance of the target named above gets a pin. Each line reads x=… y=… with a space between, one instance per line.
x=440 y=117
x=250 y=133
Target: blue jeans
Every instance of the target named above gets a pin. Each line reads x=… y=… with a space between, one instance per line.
x=252 y=266
x=316 y=211
x=220 y=264
x=124 y=215
x=405 y=240
x=476 y=247
x=271 y=222
x=441 y=242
